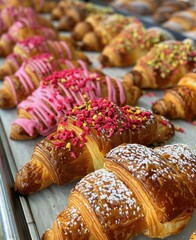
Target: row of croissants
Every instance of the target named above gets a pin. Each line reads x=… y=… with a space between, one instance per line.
x=91 y=125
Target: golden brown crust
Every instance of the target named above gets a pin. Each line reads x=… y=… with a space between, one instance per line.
x=164 y=65
x=180 y=101
x=193 y=236
x=68 y=153
x=140 y=190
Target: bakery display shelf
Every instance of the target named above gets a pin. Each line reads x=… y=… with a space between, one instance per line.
x=28 y=217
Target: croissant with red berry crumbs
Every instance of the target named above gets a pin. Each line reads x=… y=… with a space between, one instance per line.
x=139 y=191
x=61 y=91
x=36 y=45
x=19 y=86
x=83 y=137
x=180 y=101
x=164 y=65
x=22 y=29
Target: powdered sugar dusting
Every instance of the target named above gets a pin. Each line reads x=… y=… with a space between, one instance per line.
x=109 y=197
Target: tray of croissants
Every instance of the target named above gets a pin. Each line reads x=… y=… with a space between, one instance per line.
x=97 y=123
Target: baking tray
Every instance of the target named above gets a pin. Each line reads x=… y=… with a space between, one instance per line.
x=28 y=217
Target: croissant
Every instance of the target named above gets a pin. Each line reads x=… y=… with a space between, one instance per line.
x=40 y=112
x=84 y=135
x=21 y=30
x=19 y=86
x=10 y=14
x=164 y=65
x=105 y=32
x=77 y=14
x=36 y=4
x=90 y=23
x=193 y=236
x=182 y=21
x=141 y=7
x=62 y=7
x=130 y=44
x=180 y=101
x=139 y=190
x=37 y=45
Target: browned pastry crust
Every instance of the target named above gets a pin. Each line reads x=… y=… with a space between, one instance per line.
x=193 y=236
x=105 y=32
x=130 y=44
x=140 y=190
x=70 y=153
x=164 y=65
x=180 y=101
x=182 y=21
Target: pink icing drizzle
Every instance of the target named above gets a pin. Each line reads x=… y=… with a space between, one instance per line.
x=62 y=96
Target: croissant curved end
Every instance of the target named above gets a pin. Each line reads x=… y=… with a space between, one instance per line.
x=81 y=29
x=6 y=101
x=91 y=42
x=104 y=60
x=18 y=133
x=33 y=177
x=66 y=23
x=160 y=107
x=47 y=235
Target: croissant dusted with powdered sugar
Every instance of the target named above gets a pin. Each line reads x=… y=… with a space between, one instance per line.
x=19 y=86
x=130 y=44
x=105 y=32
x=38 y=45
x=22 y=29
x=40 y=112
x=139 y=191
x=180 y=101
x=84 y=135
x=164 y=65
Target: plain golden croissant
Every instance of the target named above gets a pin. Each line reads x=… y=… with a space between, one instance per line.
x=90 y=23
x=180 y=101
x=21 y=30
x=182 y=21
x=19 y=86
x=83 y=137
x=139 y=191
x=61 y=91
x=164 y=65
x=38 y=45
x=62 y=7
x=105 y=32
x=79 y=13
x=130 y=44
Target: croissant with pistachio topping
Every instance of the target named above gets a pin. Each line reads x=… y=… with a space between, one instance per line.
x=130 y=44
x=83 y=137
x=164 y=64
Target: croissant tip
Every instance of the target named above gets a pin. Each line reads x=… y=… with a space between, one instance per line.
x=159 y=107
x=18 y=133
x=47 y=235
x=104 y=60
x=5 y=100
x=66 y=23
